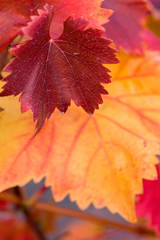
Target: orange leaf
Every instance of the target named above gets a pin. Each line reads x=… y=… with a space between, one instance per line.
x=98 y=159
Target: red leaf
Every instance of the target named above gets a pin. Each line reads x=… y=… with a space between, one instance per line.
x=14 y=227
x=148 y=205
x=49 y=73
x=152 y=41
x=156 y=3
x=14 y=15
x=125 y=24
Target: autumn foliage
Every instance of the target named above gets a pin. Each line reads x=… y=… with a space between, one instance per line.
x=80 y=107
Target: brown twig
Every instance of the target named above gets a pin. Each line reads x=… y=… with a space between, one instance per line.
x=28 y=214
x=37 y=195
x=80 y=215
x=95 y=219
x=7 y=197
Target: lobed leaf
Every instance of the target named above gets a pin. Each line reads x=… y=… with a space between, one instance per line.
x=58 y=71
x=101 y=159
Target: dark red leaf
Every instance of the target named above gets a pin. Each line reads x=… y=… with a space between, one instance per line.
x=50 y=73
x=125 y=24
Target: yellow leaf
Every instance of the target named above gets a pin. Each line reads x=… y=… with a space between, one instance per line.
x=98 y=159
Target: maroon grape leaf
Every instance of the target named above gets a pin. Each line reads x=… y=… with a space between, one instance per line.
x=14 y=15
x=50 y=73
x=125 y=24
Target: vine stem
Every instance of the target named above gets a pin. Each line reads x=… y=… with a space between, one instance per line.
x=19 y=192
x=92 y=218
x=77 y=214
x=37 y=195
x=7 y=197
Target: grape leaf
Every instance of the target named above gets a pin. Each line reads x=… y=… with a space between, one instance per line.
x=147 y=205
x=125 y=24
x=15 y=14
x=98 y=159
x=58 y=71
